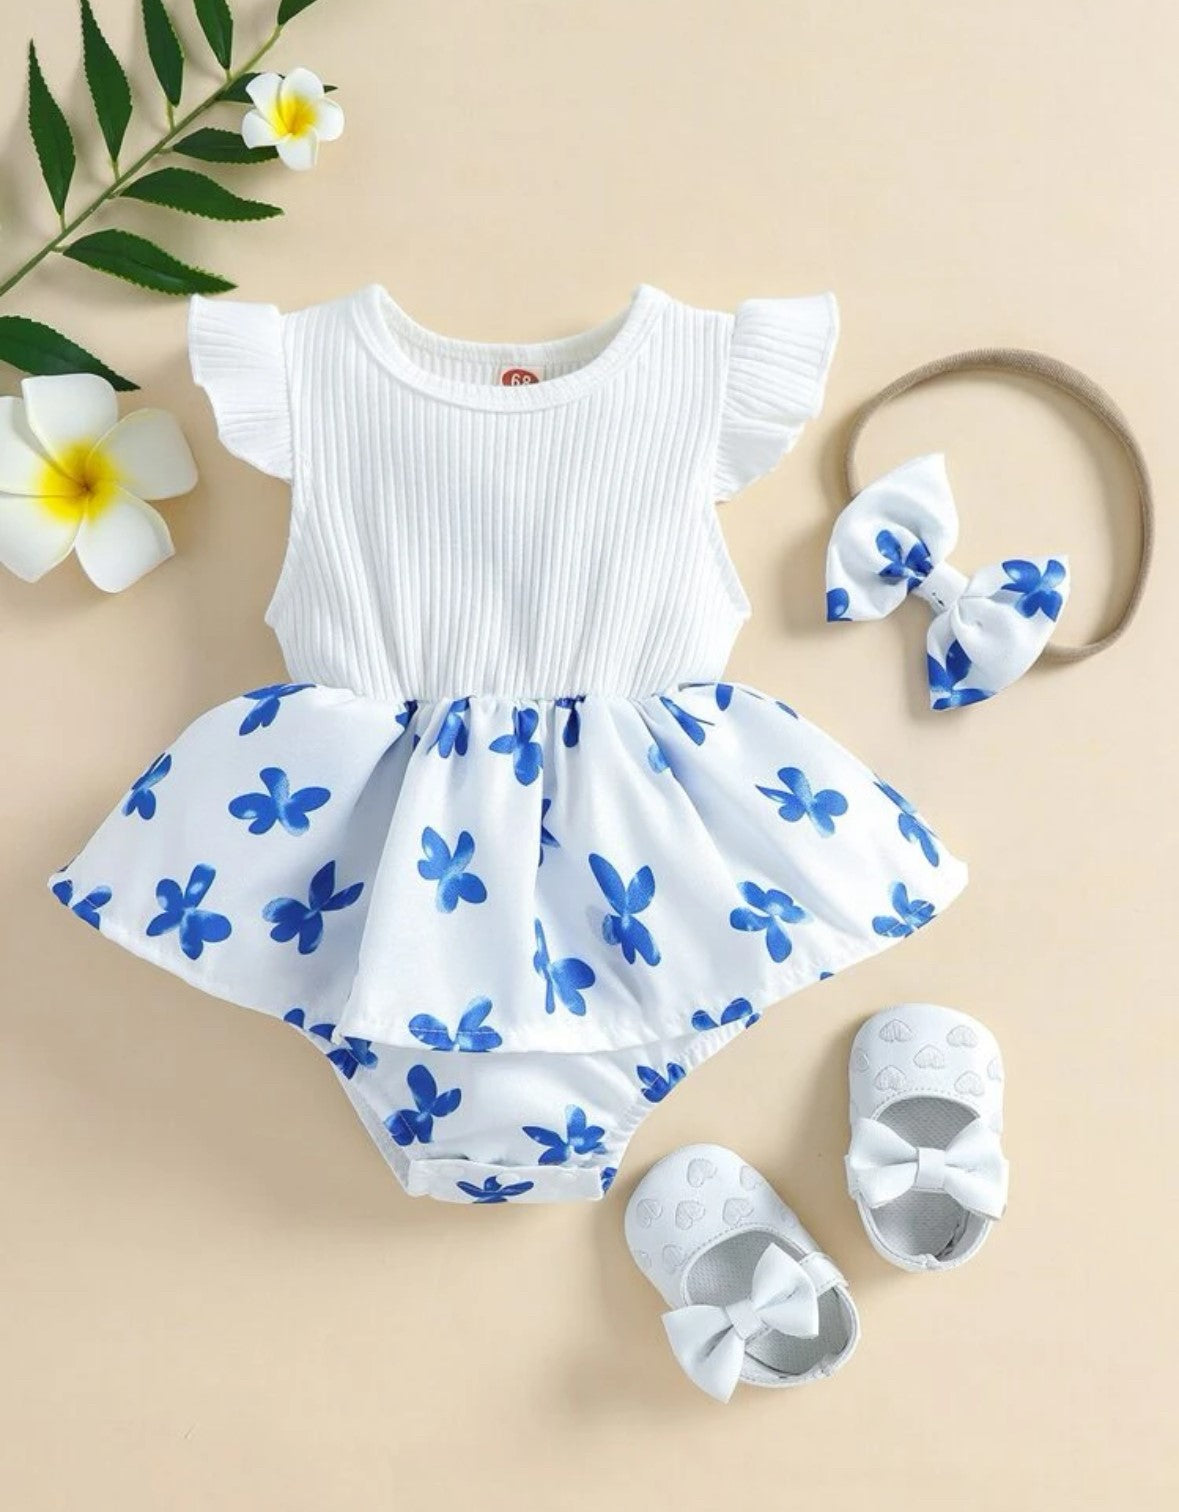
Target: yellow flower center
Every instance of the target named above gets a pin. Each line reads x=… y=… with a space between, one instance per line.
x=81 y=480
x=293 y=115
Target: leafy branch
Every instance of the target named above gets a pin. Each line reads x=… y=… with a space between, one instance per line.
x=29 y=345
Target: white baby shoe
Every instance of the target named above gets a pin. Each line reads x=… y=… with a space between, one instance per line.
x=926 y=1166
x=754 y=1300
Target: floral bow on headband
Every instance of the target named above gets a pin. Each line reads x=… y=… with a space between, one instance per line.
x=894 y=540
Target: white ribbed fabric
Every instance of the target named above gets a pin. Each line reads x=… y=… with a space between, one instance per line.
x=454 y=534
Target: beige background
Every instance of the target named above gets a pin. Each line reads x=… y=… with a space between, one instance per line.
x=214 y=1296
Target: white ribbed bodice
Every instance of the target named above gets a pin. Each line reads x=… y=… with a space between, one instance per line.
x=453 y=533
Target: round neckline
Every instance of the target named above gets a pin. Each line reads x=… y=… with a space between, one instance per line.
x=390 y=333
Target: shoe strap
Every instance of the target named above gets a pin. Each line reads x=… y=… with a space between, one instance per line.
x=822 y=1271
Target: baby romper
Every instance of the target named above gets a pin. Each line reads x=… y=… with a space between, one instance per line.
x=504 y=847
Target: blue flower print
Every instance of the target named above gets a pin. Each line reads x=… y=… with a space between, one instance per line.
x=798 y=801
x=911 y=568
x=692 y=727
x=768 y=909
x=656 y=759
x=607 y=1176
x=526 y=753
x=546 y=835
x=267 y=702
x=911 y=825
x=86 y=908
x=453 y=732
x=408 y=711
x=785 y=708
x=180 y=910
x=473 y=1034
x=455 y=882
x=293 y=919
x=943 y=681
x=657 y=1084
x=622 y=928
x=347 y=1058
x=564 y=979
x=571 y=734
x=579 y=1138
x=838 y=603
x=141 y=800
x=278 y=805
x=908 y=914
x=1035 y=591
x=721 y=692
x=351 y=1055
x=493 y=1190
x=739 y=1011
x=408 y=1124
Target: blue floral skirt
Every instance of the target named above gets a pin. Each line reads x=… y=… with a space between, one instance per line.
x=630 y=880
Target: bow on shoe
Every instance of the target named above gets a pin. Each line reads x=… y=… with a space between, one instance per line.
x=882 y=1166
x=894 y=539
x=709 y=1342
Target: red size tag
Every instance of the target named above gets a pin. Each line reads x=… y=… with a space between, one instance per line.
x=514 y=377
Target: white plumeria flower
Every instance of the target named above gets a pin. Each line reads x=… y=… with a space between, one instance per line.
x=292 y=115
x=74 y=477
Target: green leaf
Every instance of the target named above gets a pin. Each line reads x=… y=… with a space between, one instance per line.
x=31 y=347
x=289 y=9
x=196 y=194
x=108 y=83
x=50 y=132
x=210 y=144
x=217 y=25
x=238 y=92
x=164 y=49
x=141 y=262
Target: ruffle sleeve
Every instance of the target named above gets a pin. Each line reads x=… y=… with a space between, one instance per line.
x=778 y=361
x=236 y=353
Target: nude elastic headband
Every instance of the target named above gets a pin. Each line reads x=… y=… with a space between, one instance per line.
x=1069 y=381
